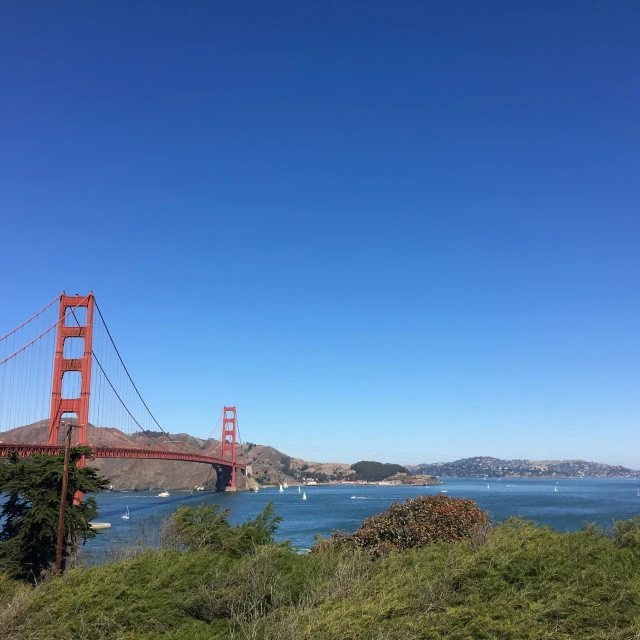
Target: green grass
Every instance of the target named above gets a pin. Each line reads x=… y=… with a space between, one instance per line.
x=523 y=581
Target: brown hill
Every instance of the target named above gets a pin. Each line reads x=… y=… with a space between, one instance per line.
x=266 y=465
x=271 y=466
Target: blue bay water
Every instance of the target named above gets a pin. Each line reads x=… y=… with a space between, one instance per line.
x=332 y=507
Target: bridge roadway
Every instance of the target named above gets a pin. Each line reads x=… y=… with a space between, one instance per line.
x=26 y=450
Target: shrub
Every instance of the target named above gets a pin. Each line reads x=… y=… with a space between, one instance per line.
x=413 y=523
x=626 y=533
x=195 y=528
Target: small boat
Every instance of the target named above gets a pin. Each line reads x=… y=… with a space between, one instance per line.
x=96 y=526
x=304 y=496
x=299 y=490
x=488 y=486
x=281 y=489
x=200 y=488
x=255 y=489
x=443 y=491
x=163 y=494
x=285 y=485
x=555 y=489
x=126 y=515
x=353 y=497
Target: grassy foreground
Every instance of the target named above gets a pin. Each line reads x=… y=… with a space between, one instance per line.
x=522 y=581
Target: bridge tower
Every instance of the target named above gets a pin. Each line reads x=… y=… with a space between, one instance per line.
x=68 y=320
x=229 y=435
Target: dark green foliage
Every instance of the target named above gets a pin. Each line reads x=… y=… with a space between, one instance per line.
x=626 y=533
x=414 y=523
x=195 y=528
x=150 y=434
x=285 y=461
x=375 y=471
x=29 y=534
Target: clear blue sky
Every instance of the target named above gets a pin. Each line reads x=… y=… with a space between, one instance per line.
x=401 y=231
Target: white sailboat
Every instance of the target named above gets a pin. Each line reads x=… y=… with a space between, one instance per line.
x=638 y=494
x=299 y=490
x=304 y=496
x=281 y=489
x=126 y=516
x=488 y=486
x=555 y=489
x=285 y=485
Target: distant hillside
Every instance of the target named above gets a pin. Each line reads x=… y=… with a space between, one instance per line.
x=269 y=465
x=479 y=467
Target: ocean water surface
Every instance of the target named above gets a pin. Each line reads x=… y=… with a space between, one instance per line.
x=335 y=507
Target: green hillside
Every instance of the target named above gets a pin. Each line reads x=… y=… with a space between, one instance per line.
x=514 y=581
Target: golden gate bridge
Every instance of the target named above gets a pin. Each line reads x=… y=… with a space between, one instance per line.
x=61 y=366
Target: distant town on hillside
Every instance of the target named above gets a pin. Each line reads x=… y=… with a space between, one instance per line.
x=480 y=466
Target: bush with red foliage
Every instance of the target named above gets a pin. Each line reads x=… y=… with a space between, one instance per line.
x=414 y=523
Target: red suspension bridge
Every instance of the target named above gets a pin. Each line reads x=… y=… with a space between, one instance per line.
x=62 y=366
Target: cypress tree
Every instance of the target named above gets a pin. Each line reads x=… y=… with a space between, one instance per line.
x=29 y=516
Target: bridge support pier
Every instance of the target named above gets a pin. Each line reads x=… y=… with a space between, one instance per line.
x=225 y=477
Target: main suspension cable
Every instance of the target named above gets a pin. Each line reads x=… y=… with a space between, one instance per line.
x=71 y=311
x=132 y=382
x=35 y=315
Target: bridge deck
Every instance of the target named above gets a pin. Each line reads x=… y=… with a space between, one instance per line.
x=26 y=450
